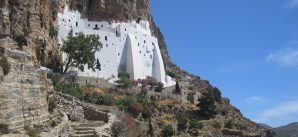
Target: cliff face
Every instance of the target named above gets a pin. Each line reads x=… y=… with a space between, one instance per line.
x=25 y=44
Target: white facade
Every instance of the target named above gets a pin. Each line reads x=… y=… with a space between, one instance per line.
x=127 y=47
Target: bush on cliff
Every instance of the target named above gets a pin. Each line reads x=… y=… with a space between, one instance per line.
x=195 y=124
x=168 y=131
x=207 y=104
x=4 y=64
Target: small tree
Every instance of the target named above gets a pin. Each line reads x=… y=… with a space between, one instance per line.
x=80 y=51
x=195 y=124
x=168 y=131
x=182 y=122
x=177 y=88
x=207 y=104
x=98 y=65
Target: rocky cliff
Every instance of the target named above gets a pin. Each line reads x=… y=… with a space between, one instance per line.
x=27 y=41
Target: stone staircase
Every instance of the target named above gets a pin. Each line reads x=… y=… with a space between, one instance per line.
x=85 y=129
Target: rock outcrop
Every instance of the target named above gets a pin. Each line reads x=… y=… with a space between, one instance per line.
x=23 y=92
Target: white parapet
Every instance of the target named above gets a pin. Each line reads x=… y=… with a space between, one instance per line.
x=127 y=46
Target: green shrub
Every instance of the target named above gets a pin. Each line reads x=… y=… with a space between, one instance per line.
x=21 y=41
x=217 y=94
x=195 y=124
x=177 y=88
x=4 y=64
x=217 y=125
x=88 y=97
x=207 y=104
x=159 y=87
x=123 y=104
x=71 y=89
x=229 y=124
x=31 y=132
x=124 y=79
x=107 y=100
x=182 y=123
x=171 y=74
x=168 y=131
x=4 y=129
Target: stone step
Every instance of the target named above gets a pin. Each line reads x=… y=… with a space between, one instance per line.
x=84 y=128
x=93 y=124
x=82 y=135
x=84 y=131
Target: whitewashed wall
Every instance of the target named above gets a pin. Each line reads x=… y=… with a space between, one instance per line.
x=127 y=47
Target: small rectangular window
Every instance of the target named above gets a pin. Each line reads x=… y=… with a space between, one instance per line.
x=77 y=24
x=106 y=38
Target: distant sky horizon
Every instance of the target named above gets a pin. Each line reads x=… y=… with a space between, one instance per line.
x=248 y=49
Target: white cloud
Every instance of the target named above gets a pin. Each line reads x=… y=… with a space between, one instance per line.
x=282 y=112
x=292 y=3
x=256 y=99
x=287 y=57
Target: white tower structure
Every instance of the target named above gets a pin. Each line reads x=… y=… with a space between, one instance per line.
x=127 y=47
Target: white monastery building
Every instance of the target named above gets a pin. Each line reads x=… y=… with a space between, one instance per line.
x=127 y=47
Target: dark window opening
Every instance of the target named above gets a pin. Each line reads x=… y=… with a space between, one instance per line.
x=150 y=56
x=77 y=24
x=101 y=25
x=140 y=52
x=144 y=41
x=107 y=45
x=106 y=38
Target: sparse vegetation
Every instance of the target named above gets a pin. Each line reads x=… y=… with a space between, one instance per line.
x=171 y=74
x=195 y=124
x=159 y=87
x=70 y=88
x=4 y=129
x=217 y=94
x=207 y=104
x=21 y=41
x=80 y=51
x=52 y=31
x=229 y=124
x=217 y=125
x=168 y=131
x=31 y=132
x=107 y=100
x=124 y=80
x=182 y=122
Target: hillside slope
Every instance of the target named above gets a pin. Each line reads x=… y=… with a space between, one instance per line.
x=290 y=130
x=25 y=45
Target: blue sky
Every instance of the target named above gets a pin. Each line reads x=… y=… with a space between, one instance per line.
x=247 y=48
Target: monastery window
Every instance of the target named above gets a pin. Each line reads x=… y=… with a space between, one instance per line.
x=63 y=20
x=144 y=55
x=107 y=45
x=118 y=54
x=76 y=33
x=69 y=20
x=102 y=26
x=140 y=52
x=150 y=56
x=106 y=38
x=96 y=27
x=144 y=41
x=125 y=29
x=136 y=38
x=153 y=43
x=88 y=25
x=138 y=44
x=77 y=24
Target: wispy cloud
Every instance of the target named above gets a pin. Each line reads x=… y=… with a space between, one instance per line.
x=283 y=112
x=292 y=3
x=287 y=57
x=256 y=99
